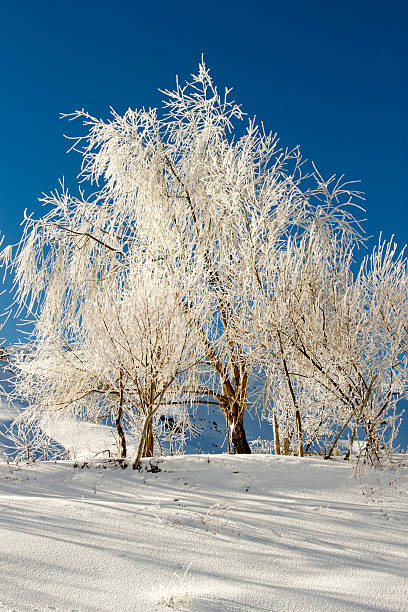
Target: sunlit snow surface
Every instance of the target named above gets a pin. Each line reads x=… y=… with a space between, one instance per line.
x=207 y=532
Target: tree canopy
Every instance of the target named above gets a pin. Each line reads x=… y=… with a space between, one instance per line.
x=199 y=260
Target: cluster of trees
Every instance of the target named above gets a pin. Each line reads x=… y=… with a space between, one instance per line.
x=201 y=262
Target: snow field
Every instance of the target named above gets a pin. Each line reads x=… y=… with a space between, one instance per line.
x=206 y=533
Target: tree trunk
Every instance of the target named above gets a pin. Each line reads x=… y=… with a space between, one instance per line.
x=286 y=445
x=118 y=422
x=122 y=437
x=350 y=447
x=148 y=450
x=238 y=438
x=299 y=433
x=228 y=437
x=142 y=442
x=276 y=434
x=232 y=404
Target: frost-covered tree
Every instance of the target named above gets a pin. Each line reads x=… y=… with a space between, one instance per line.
x=334 y=343
x=370 y=349
x=193 y=193
x=125 y=359
x=26 y=440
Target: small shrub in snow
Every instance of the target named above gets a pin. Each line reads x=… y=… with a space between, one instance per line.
x=215 y=519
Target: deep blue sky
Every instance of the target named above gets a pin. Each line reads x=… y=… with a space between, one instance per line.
x=331 y=77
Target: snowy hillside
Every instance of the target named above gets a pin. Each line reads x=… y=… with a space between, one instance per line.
x=207 y=532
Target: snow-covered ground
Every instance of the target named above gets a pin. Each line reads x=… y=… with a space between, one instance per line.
x=207 y=532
